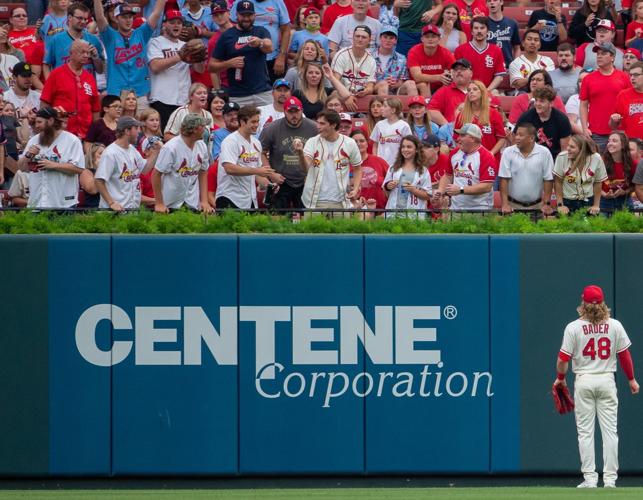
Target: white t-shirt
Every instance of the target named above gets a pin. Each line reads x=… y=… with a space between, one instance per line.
x=49 y=188
x=388 y=137
x=342 y=31
x=593 y=348
x=239 y=189
x=121 y=170
x=354 y=74
x=268 y=115
x=23 y=104
x=170 y=86
x=181 y=167
x=573 y=105
x=521 y=67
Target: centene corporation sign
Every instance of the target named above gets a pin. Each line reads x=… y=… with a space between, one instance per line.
x=393 y=341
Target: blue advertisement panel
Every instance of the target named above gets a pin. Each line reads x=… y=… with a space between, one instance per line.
x=428 y=410
x=79 y=392
x=298 y=362
x=175 y=364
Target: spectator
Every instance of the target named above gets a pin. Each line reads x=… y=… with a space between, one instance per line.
x=121 y=165
x=578 y=176
x=309 y=52
x=476 y=109
x=586 y=55
x=470 y=175
x=583 y=26
x=151 y=128
x=126 y=49
x=312 y=93
x=311 y=32
x=10 y=124
x=103 y=131
x=419 y=119
x=437 y=163
x=59 y=45
x=217 y=99
x=539 y=79
x=332 y=12
x=628 y=114
x=373 y=115
x=24 y=37
x=429 y=62
x=129 y=102
x=198 y=103
x=565 y=77
x=553 y=128
x=200 y=16
x=374 y=171
x=446 y=100
x=470 y=9
x=334 y=103
x=551 y=24
x=271 y=112
x=180 y=173
x=7 y=61
x=241 y=51
x=231 y=118
x=451 y=34
x=503 y=31
x=414 y=14
x=388 y=15
x=342 y=32
x=240 y=163
x=597 y=102
x=74 y=89
x=21 y=95
x=169 y=75
x=19 y=191
x=572 y=106
x=277 y=146
x=638 y=181
x=391 y=73
x=634 y=29
x=345 y=124
x=86 y=177
x=530 y=60
x=526 y=173
x=221 y=18
x=272 y=16
x=55 y=159
x=630 y=56
x=54 y=21
x=637 y=45
x=408 y=182
x=327 y=159
x=487 y=60
x=354 y=67
x=616 y=190
x=388 y=133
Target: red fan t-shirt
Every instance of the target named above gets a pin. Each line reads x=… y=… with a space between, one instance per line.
x=629 y=104
x=435 y=64
x=599 y=90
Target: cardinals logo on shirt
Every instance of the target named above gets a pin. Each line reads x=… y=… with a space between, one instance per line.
x=524 y=71
x=486 y=129
x=316 y=160
x=247 y=157
x=127 y=175
x=395 y=138
x=185 y=170
x=543 y=139
x=343 y=161
x=488 y=61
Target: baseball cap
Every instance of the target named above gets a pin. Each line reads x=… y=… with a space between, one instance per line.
x=245 y=7
x=417 y=99
x=345 y=117
x=281 y=82
x=431 y=141
x=172 y=14
x=148 y=142
x=389 y=29
x=123 y=9
x=191 y=122
x=607 y=24
x=219 y=6
x=461 y=62
x=229 y=107
x=431 y=28
x=606 y=47
x=593 y=294
x=125 y=122
x=363 y=27
x=470 y=129
x=47 y=113
x=22 y=69
x=310 y=10
x=634 y=52
x=293 y=103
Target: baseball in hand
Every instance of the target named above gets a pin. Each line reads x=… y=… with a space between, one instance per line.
x=297 y=145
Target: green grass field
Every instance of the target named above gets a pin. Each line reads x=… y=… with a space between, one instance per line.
x=509 y=493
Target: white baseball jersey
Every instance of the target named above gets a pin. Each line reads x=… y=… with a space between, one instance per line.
x=593 y=348
x=469 y=170
x=388 y=137
x=181 y=167
x=172 y=85
x=121 y=170
x=239 y=189
x=267 y=114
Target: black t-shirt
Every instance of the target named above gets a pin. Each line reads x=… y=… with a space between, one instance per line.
x=100 y=133
x=549 y=133
x=311 y=109
x=549 y=34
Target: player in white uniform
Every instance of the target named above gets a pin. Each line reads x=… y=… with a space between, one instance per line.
x=593 y=342
x=120 y=168
x=180 y=176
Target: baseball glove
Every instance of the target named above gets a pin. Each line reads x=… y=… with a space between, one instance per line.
x=189 y=32
x=563 y=402
x=193 y=52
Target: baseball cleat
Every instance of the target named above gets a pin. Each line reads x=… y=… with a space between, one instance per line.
x=586 y=484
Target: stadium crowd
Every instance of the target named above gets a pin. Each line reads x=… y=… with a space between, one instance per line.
x=405 y=104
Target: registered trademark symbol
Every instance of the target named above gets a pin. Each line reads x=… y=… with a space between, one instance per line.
x=450 y=312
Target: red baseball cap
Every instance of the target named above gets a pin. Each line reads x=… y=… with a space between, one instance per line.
x=634 y=52
x=172 y=14
x=593 y=294
x=345 y=117
x=293 y=103
x=417 y=99
x=431 y=28
x=607 y=24
x=310 y=10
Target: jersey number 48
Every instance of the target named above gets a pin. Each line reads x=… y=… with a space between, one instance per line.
x=602 y=347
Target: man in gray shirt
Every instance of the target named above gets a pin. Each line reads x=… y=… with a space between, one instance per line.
x=565 y=76
x=276 y=142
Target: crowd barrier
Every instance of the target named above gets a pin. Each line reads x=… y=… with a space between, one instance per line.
x=271 y=355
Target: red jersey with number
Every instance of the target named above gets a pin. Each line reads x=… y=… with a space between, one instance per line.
x=629 y=104
x=599 y=90
x=436 y=64
x=486 y=64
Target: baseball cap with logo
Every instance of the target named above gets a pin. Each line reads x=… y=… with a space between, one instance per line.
x=245 y=7
x=293 y=103
x=461 y=62
x=636 y=53
x=431 y=141
x=431 y=28
x=417 y=99
x=593 y=294
x=124 y=9
x=470 y=129
x=219 y=6
x=281 y=82
x=311 y=10
x=345 y=117
x=229 y=107
x=22 y=69
x=608 y=24
x=172 y=14
x=605 y=47
x=125 y=122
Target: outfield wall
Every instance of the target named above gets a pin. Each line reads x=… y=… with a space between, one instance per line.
x=243 y=355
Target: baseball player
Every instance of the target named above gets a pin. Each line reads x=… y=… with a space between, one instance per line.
x=593 y=342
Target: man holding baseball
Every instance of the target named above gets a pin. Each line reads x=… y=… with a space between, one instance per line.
x=593 y=343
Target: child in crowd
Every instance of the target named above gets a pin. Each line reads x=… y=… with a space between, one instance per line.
x=387 y=134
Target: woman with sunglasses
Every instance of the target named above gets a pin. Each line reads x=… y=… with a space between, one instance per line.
x=23 y=37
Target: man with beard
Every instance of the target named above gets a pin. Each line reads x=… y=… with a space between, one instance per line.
x=271 y=112
x=55 y=159
x=120 y=167
x=24 y=99
x=180 y=173
x=278 y=152
x=565 y=77
x=241 y=51
x=73 y=88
